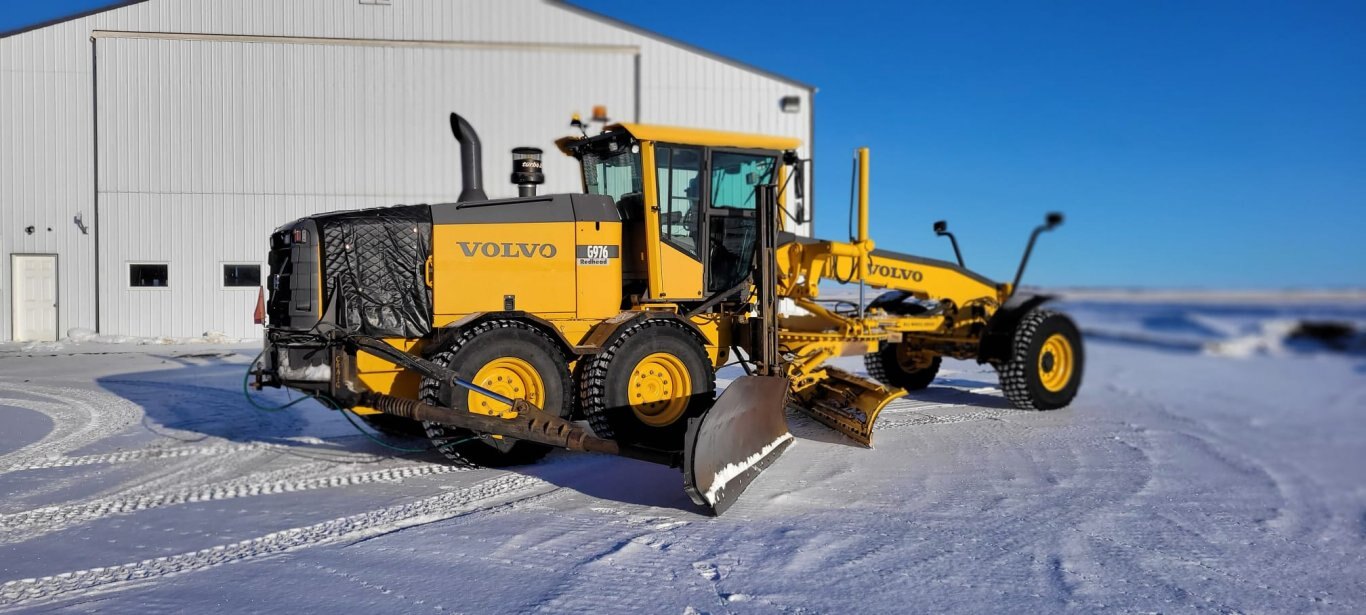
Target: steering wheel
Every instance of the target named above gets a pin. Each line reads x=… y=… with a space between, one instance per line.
x=691 y=215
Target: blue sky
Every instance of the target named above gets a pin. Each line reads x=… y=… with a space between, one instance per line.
x=1191 y=144
x=19 y=14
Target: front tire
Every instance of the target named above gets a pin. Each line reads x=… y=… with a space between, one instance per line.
x=1047 y=358
x=645 y=385
x=508 y=357
x=899 y=366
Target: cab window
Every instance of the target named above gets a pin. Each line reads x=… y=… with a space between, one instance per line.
x=680 y=194
x=612 y=168
x=734 y=176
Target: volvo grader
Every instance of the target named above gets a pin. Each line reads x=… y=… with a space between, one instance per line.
x=499 y=328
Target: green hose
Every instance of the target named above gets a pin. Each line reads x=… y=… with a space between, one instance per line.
x=322 y=400
x=375 y=439
x=247 y=394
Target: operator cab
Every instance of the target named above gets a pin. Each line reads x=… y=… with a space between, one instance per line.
x=687 y=200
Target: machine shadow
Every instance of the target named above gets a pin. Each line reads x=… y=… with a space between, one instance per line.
x=614 y=480
x=200 y=397
x=938 y=393
x=966 y=384
x=203 y=395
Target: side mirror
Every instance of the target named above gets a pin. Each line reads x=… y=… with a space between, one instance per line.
x=801 y=214
x=1050 y=222
x=941 y=228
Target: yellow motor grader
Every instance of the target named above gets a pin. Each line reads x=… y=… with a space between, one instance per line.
x=492 y=326
x=932 y=309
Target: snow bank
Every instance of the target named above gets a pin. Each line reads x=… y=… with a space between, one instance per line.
x=1269 y=339
x=1231 y=330
x=80 y=335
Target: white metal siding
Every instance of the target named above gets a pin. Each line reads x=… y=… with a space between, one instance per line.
x=205 y=146
x=47 y=155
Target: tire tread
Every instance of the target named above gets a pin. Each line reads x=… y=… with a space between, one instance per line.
x=593 y=377
x=430 y=392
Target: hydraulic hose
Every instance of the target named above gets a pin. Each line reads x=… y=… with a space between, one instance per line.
x=246 y=393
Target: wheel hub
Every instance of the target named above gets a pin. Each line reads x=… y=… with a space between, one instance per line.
x=1056 y=362
x=510 y=377
x=659 y=389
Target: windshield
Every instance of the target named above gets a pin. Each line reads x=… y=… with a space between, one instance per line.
x=734 y=176
x=612 y=168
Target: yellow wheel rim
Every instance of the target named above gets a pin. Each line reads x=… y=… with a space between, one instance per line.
x=659 y=389
x=510 y=377
x=1056 y=361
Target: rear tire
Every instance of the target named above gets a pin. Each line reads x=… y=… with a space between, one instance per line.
x=894 y=365
x=530 y=366
x=1047 y=358
x=660 y=355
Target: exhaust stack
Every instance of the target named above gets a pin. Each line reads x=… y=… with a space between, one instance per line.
x=471 y=160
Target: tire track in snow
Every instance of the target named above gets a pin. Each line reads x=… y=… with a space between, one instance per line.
x=79 y=417
x=910 y=413
x=345 y=529
x=604 y=558
x=135 y=455
x=1004 y=525
x=17 y=527
x=157 y=453
x=1237 y=498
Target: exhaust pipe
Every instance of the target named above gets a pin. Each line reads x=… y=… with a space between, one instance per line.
x=471 y=160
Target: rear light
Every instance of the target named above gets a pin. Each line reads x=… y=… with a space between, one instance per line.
x=260 y=316
x=300 y=235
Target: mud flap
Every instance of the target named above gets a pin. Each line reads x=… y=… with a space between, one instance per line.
x=742 y=434
x=847 y=403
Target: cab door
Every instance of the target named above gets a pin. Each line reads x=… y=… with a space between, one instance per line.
x=680 y=207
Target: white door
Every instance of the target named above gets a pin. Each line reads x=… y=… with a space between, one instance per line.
x=34 y=282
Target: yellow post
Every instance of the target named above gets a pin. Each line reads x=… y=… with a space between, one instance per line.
x=782 y=203
x=654 y=272
x=862 y=194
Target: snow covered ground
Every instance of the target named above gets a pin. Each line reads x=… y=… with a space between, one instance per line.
x=1208 y=465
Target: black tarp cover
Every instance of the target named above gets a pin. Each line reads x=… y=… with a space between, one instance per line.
x=374 y=263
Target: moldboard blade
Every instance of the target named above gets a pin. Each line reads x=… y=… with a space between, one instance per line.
x=744 y=432
x=847 y=403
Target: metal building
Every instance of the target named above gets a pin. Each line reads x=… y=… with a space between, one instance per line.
x=146 y=151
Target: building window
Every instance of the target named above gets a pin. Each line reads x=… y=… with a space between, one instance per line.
x=238 y=275
x=148 y=275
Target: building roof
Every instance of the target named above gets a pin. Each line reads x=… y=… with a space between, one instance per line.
x=612 y=21
x=56 y=16
x=677 y=43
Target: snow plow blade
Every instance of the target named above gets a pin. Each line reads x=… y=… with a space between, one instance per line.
x=847 y=403
x=742 y=434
